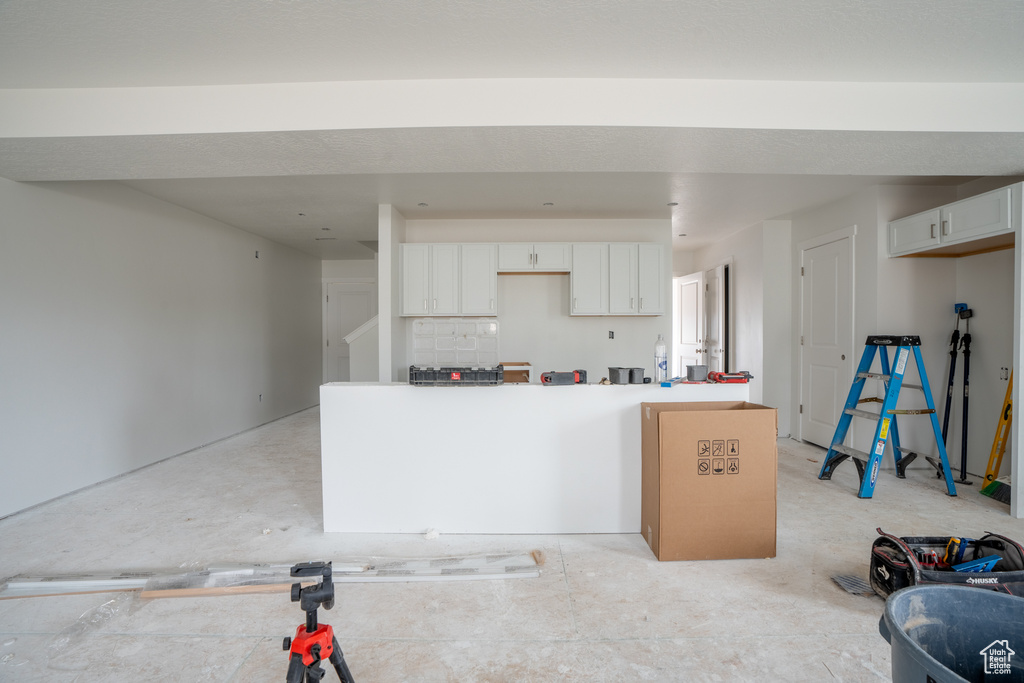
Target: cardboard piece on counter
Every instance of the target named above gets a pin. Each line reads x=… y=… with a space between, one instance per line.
x=516 y=372
x=708 y=480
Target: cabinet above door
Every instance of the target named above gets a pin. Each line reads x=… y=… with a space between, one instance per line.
x=518 y=257
x=972 y=225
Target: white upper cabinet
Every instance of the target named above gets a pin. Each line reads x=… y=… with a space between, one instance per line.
x=444 y=279
x=462 y=279
x=414 y=264
x=651 y=274
x=479 y=276
x=517 y=257
x=636 y=274
x=429 y=279
x=984 y=217
x=623 y=279
x=914 y=233
x=588 y=281
x=968 y=219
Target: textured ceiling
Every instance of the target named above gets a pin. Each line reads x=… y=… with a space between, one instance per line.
x=723 y=179
x=103 y=43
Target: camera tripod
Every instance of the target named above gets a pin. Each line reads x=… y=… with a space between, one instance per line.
x=314 y=642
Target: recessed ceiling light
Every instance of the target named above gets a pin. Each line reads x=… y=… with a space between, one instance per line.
x=422 y=204
x=673 y=203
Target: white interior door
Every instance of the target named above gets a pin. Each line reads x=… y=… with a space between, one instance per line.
x=714 y=312
x=688 y=336
x=826 y=358
x=349 y=305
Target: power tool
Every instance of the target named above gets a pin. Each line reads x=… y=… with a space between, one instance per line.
x=574 y=377
x=741 y=377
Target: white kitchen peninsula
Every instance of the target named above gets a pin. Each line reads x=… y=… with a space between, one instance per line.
x=516 y=458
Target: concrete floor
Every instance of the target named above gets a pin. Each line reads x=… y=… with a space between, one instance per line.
x=602 y=609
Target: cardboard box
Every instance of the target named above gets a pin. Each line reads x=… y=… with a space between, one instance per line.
x=708 y=480
x=517 y=373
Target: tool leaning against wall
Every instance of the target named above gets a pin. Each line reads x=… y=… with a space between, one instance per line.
x=956 y=342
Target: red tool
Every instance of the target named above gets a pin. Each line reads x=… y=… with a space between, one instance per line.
x=741 y=377
x=574 y=377
x=314 y=642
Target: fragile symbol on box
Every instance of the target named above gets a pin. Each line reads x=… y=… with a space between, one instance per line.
x=733 y=446
x=703 y=448
x=704 y=466
x=719 y=466
x=718 y=447
x=734 y=466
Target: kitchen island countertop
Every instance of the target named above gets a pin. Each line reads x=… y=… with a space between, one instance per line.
x=515 y=458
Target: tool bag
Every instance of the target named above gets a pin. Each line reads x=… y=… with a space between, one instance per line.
x=900 y=562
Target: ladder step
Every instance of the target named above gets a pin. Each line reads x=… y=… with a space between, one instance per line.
x=862 y=413
x=873 y=375
x=886 y=378
x=852 y=452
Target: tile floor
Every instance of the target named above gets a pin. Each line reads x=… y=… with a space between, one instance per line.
x=603 y=609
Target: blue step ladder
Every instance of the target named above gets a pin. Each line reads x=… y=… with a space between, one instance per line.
x=868 y=463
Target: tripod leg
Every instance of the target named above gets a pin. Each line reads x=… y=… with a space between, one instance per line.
x=966 y=342
x=296 y=669
x=338 y=660
x=953 y=343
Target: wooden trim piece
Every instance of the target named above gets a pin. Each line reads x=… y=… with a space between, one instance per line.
x=959 y=254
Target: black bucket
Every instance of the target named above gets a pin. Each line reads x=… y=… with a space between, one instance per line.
x=948 y=634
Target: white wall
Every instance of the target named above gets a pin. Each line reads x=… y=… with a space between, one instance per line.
x=533 y=309
x=985 y=283
x=777 y=370
x=364 y=269
x=134 y=330
x=760 y=281
x=916 y=296
x=391 y=328
x=745 y=249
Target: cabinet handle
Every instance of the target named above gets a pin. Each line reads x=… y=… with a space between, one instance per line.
x=574 y=307
x=492 y=304
x=435 y=304
x=533 y=258
x=945 y=227
x=641 y=303
x=631 y=303
x=424 y=304
x=933 y=231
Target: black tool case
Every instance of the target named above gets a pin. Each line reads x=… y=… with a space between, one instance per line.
x=454 y=377
x=895 y=563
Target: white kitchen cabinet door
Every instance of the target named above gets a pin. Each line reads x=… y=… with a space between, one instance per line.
x=415 y=273
x=981 y=216
x=589 y=279
x=623 y=295
x=914 y=233
x=479 y=279
x=515 y=256
x=526 y=256
x=551 y=256
x=444 y=279
x=651 y=279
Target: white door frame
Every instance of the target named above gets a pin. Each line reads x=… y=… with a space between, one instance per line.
x=729 y=317
x=677 y=282
x=802 y=247
x=323 y=311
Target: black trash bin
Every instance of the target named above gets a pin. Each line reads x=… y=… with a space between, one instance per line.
x=948 y=634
